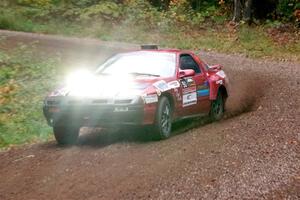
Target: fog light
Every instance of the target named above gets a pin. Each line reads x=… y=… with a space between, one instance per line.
x=54 y=110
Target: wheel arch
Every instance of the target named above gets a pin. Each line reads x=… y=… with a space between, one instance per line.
x=170 y=97
x=223 y=91
x=215 y=89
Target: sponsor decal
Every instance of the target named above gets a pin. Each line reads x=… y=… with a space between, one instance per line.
x=190 y=81
x=121 y=109
x=173 y=84
x=189 y=99
x=204 y=92
x=183 y=83
x=187 y=82
x=202 y=87
x=221 y=73
x=220 y=82
x=189 y=94
x=161 y=85
x=189 y=90
x=152 y=98
x=206 y=83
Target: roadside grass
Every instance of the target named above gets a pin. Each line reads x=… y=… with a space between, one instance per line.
x=250 y=41
x=24 y=80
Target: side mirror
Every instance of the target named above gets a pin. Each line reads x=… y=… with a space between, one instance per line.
x=186 y=72
x=215 y=67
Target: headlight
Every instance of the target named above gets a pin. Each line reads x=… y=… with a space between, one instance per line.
x=85 y=84
x=128 y=94
x=82 y=83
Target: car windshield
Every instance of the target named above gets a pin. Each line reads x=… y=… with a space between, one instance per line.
x=140 y=63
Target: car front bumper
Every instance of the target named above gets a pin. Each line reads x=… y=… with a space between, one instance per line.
x=85 y=114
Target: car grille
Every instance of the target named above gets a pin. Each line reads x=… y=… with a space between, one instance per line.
x=125 y=101
x=100 y=101
x=74 y=102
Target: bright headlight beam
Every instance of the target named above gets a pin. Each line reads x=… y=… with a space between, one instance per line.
x=83 y=83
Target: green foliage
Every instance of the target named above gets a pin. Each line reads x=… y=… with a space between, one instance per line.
x=106 y=10
x=35 y=3
x=141 y=12
x=286 y=8
x=13 y=21
x=260 y=47
x=201 y=5
x=273 y=24
x=25 y=78
x=6 y=22
x=84 y=3
x=180 y=10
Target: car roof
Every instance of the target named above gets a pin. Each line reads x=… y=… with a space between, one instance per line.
x=176 y=51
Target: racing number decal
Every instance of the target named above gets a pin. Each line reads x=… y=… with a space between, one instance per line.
x=189 y=99
x=189 y=94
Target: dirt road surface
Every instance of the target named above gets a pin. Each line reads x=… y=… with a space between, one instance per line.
x=252 y=154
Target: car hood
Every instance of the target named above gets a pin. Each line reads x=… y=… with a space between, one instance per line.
x=108 y=87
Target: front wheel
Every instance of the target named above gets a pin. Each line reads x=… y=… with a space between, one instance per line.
x=217 y=108
x=163 y=119
x=66 y=135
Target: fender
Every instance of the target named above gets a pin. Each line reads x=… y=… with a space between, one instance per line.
x=216 y=83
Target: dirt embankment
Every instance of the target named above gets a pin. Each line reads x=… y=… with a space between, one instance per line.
x=253 y=153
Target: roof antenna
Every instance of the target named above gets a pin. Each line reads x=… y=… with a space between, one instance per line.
x=149 y=46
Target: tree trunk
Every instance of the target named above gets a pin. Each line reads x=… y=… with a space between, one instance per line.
x=237 y=13
x=247 y=11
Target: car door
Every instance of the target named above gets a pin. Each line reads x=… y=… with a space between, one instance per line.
x=194 y=89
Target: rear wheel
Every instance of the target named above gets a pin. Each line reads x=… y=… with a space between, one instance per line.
x=66 y=135
x=217 y=108
x=163 y=119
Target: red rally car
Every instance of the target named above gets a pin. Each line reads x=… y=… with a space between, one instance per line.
x=150 y=87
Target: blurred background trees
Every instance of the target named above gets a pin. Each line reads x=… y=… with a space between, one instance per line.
x=237 y=10
x=152 y=14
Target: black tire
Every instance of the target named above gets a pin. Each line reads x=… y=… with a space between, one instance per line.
x=66 y=135
x=163 y=119
x=217 y=108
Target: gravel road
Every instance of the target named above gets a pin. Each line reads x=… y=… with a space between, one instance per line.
x=254 y=153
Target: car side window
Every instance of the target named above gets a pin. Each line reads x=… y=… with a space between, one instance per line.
x=202 y=63
x=187 y=62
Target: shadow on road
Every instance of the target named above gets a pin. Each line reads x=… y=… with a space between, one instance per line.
x=96 y=137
